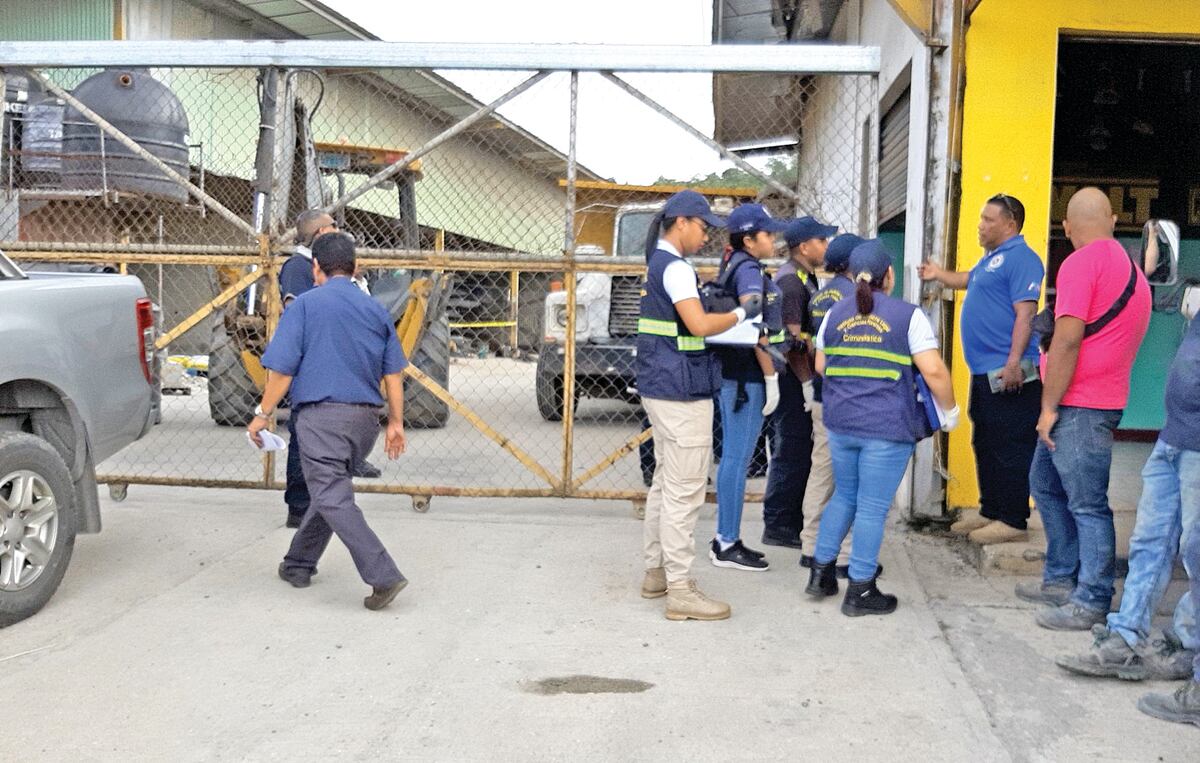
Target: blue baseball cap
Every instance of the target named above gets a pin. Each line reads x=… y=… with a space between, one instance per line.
x=689 y=203
x=837 y=256
x=749 y=218
x=871 y=256
x=806 y=228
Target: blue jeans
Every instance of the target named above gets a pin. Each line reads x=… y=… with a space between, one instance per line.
x=1189 y=631
x=740 y=429
x=1170 y=501
x=866 y=473
x=1070 y=488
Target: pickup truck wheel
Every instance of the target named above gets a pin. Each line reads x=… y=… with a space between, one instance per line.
x=37 y=524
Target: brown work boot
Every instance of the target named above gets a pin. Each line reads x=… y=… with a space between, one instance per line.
x=381 y=597
x=655 y=583
x=968 y=522
x=686 y=602
x=997 y=532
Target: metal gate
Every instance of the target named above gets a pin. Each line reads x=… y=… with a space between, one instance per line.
x=185 y=163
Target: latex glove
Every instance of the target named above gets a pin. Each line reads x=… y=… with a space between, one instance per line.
x=772 y=403
x=809 y=394
x=952 y=417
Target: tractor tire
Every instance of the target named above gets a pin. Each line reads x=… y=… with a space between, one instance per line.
x=422 y=410
x=231 y=392
x=37 y=510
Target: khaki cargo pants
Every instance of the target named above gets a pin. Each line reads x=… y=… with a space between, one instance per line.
x=820 y=489
x=683 y=455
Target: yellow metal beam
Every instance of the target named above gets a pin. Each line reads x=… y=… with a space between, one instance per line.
x=918 y=16
x=629 y=446
x=187 y=323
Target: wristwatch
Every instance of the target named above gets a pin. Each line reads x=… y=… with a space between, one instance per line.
x=260 y=413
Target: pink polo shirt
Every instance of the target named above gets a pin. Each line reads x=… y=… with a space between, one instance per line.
x=1089 y=282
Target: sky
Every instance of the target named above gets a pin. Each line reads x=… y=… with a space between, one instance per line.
x=618 y=137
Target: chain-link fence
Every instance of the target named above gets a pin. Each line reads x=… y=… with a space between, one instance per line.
x=511 y=268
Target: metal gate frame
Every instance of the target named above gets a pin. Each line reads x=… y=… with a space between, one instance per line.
x=265 y=252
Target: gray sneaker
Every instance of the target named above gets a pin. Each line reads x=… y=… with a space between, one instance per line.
x=1070 y=617
x=1181 y=707
x=1055 y=594
x=1165 y=659
x=1109 y=656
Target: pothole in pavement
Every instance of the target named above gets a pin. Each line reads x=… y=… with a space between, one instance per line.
x=586 y=685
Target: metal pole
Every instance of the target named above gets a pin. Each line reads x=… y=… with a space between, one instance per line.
x=130 y=144
x=454 y=131
x=741 y=163
x=568 y=386
x=514 y=309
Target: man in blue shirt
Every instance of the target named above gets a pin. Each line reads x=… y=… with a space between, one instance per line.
x=295 y=278
x=1001 y=351
x=332 y=348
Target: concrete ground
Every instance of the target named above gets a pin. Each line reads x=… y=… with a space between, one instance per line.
x=172 y=638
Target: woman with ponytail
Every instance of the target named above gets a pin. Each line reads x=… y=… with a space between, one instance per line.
x=676 y=378
x=868 y=351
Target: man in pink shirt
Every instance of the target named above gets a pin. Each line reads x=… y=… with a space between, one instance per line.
x=1100 y=316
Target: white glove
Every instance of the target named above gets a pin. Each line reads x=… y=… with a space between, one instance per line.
x=772 y=403
x=809 y=395
x=952 y=416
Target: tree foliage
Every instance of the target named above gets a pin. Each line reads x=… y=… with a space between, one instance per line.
x=780 y=168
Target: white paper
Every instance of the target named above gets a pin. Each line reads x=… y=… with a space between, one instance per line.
x=744 y=334
x=271 y=441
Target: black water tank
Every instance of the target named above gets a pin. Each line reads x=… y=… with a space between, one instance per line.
x=144 y=109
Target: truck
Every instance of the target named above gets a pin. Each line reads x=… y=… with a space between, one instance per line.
x=612 y=219
x=76 y=386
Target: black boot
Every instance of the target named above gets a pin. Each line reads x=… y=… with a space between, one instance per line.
x=822 y=580
x=865 y=599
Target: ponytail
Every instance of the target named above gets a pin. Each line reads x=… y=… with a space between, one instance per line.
x=653 y=233
x=864 y=294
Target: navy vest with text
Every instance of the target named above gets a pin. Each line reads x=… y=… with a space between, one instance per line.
x=672 y=364
x=838 y=288
x=869 y=385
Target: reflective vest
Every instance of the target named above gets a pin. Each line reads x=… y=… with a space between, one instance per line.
x=672 y=364
x=838 y=288
x=869 y=384
x=740 y=363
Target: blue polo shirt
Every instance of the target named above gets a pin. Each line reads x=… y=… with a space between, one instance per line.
x=1010 y=273
x=337 y=343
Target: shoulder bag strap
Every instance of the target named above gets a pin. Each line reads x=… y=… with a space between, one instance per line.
x=1097 y=325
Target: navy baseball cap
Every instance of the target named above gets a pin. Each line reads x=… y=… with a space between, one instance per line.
x=837 y=256
x=805 y=228
x=748 y=218
x=689 y=203
x=872 y=257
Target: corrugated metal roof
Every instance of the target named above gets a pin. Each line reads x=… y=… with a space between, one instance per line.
x=313 y=20
x=71 y=20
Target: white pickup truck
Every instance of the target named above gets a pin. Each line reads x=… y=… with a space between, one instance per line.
x=76 y=355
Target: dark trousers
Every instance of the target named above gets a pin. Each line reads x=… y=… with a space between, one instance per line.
x=335 y=437
x=1004 y=439
x=296 y=494
x=791 y=460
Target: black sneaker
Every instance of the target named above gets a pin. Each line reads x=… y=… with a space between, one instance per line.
x=736 y=557
x=298 y=577
x=785 y=538
x=843 y=571
x=294 y=520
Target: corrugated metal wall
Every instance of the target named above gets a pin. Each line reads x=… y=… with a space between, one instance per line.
x=22 y=20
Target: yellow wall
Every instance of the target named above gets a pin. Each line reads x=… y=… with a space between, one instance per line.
x=1008 y=131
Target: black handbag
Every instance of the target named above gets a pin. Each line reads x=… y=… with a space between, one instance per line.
x=1043 y=322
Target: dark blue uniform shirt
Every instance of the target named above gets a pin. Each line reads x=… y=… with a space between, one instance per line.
x=295 y=277
x=338 y=343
